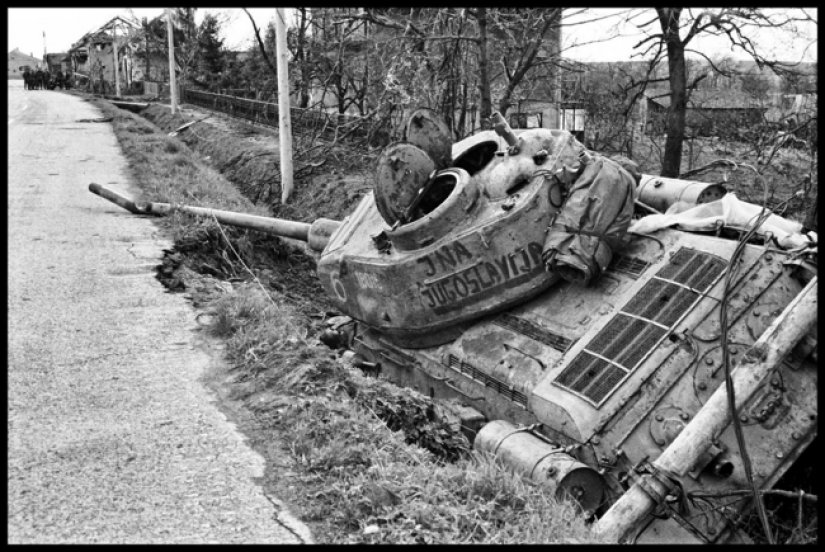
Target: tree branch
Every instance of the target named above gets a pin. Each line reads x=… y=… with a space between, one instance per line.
x=261 y=43
x=723 y=72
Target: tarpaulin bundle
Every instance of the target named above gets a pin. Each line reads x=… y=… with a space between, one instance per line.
x=593 y=221
x=727 y=211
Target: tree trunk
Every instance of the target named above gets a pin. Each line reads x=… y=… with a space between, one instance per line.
x=810 y=219
x=341 y=94
x=483 y=75
x=301 y=56
x=672 y=162
x=148 y=62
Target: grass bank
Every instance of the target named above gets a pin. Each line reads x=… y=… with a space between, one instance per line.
x=357 y=458
x=329 y=178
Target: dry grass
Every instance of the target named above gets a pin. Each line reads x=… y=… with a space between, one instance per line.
x=329 y=178
x=360 y=480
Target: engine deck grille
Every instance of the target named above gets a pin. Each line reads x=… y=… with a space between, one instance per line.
x=640 y=326
x=495 y=384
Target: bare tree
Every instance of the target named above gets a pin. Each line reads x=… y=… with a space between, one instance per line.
x=677 y=28
x=517 y=39
x=260 y=42
x=154 y=33
x=298 y=39
x=525 y=35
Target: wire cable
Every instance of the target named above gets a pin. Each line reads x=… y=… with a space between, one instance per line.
x=723 y=315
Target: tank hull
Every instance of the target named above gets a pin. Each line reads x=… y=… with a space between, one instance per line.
x=615 y=371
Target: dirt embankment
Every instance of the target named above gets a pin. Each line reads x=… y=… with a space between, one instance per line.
x=328 y=180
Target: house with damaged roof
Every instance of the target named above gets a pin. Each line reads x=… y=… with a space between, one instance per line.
x=118 y=49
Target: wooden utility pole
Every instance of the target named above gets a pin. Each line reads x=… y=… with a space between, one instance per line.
x=284 y=126
x=173 y=91
x=117 y=61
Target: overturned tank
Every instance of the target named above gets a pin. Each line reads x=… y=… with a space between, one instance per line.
x=584 y=321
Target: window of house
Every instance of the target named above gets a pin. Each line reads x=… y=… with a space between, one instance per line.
x=572 y=119
x=525 y=120
x=518 y=120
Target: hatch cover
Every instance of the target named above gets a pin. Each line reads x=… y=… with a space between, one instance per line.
x=638 y=328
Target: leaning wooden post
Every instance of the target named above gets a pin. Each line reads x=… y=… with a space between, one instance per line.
x=772 y=346
x=284 y=126
x=173 y=91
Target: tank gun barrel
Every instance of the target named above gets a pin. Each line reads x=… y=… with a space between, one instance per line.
x=316 y=234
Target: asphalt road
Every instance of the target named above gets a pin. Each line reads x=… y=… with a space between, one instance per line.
x=112 y=438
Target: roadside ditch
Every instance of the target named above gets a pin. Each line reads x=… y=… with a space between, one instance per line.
x=355 y=457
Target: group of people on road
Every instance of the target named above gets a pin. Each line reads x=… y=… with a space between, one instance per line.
x=39 y=79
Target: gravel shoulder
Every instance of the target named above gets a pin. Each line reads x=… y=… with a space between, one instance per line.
x=112 y=436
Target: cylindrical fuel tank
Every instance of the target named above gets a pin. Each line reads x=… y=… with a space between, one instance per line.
x=660 y=192
x=542 y=462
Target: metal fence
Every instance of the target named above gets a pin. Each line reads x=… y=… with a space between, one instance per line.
x=266 y=113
